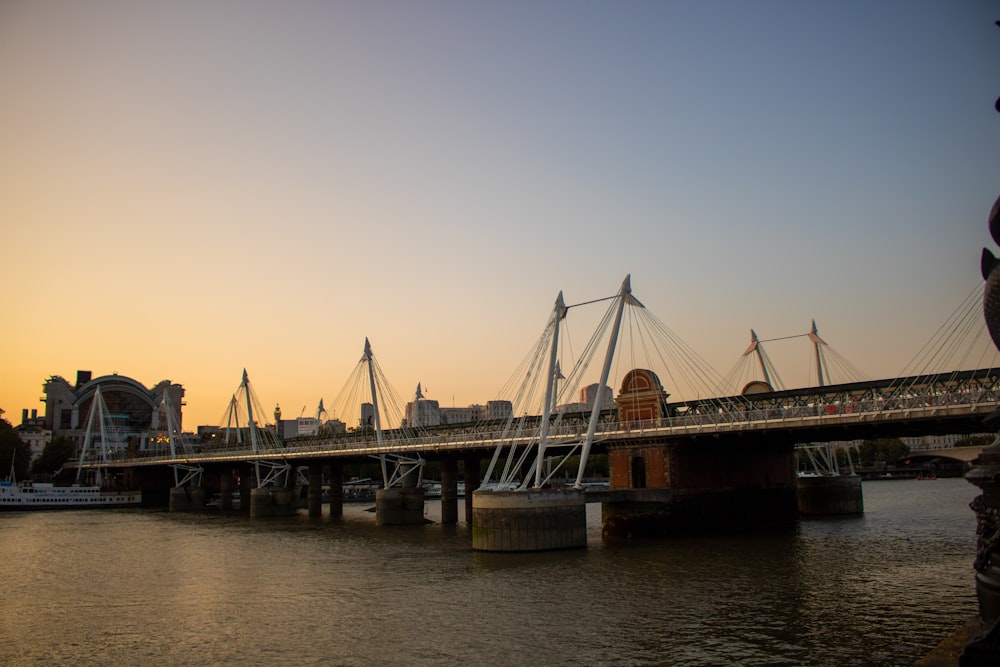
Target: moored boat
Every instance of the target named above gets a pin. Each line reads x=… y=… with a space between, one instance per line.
x=45 y=495
x=16 y=495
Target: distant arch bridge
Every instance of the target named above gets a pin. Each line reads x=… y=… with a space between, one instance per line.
x=966 y=454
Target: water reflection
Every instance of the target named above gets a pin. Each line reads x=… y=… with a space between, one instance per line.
x=139 y=587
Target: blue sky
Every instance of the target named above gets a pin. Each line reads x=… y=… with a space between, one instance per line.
x=192 y=188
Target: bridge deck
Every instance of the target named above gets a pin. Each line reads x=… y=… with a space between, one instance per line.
x=950 y=412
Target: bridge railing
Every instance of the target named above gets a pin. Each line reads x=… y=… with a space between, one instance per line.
x=740 y=413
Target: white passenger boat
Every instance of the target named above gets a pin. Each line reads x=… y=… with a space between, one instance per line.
x=47 y=496
x=16 y=495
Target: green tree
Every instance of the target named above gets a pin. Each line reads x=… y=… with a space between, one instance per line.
x=882 y=450
x=52 y=458
x=843 y=454
x=12 y=449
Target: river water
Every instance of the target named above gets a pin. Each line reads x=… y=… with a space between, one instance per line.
x=140 y=587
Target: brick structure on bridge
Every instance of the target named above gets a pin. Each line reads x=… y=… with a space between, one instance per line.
x=663 y=486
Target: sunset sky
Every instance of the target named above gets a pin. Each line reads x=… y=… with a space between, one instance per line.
x=188 y=189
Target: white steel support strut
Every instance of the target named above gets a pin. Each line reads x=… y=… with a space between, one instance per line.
x=404 y=466
x=250 y=425
x=278 y=472
x=367 y=358
x=97 y=411
x=559 y=314
x=821 y=370
x=193 y=473
x=757 y=348
x=624 y=296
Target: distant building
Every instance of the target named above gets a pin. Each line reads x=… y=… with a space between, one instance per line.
x=499 y=410
x=33 y=433
x=421 y=412
x=588 y=395
x=333 y=427
x=305 y=427
x=367 y=419
x=286 y=428
x=425 y=412
x=133 y=411
x=469 y=414
x=208 y=432
x=925 y=442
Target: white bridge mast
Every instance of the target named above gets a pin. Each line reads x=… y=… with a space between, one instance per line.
x=624 y=297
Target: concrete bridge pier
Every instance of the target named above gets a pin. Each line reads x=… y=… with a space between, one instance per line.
x=246 y=489
x=449 y=490
x=155 y=484
x=661 y=489
x=283 y=499
x=829 y=496
x=298 y=494
x=534 y=520
x=472 y=479
x=315 y=497
x=225 y=500
x=399 y=506
x=336 y=488
x=260 y=502
x=627 y=513
x=187 y=498
x=271 y=501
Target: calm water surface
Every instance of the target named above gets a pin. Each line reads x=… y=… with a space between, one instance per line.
x=138 y=587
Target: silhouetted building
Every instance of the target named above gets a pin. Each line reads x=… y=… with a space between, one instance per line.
x=133 y=411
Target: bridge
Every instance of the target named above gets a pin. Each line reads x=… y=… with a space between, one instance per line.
x=672 y=462
x=965 y=454
x=938 y=404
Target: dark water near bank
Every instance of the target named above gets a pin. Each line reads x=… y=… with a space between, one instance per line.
x=135 y=587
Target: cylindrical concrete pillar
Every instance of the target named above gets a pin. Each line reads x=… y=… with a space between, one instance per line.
x=246 y=489
x=297 y=493
x=260 y=502
x=282 y=500
x=470 y=471
x=225 y=501
x=271 y=501
x=187 y=498
x=336 y=488
x=399 y=506
x=315 y=498
x=449 y=490
x=535 y=520
x=826 y=496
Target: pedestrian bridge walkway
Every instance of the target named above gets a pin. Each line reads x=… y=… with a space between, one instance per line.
x=931 y=404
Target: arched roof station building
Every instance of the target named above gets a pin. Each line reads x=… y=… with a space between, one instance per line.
x=134 y=409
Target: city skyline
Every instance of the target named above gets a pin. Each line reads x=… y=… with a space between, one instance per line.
x=187 y=191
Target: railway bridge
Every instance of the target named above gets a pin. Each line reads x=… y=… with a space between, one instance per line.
x=674 y=464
